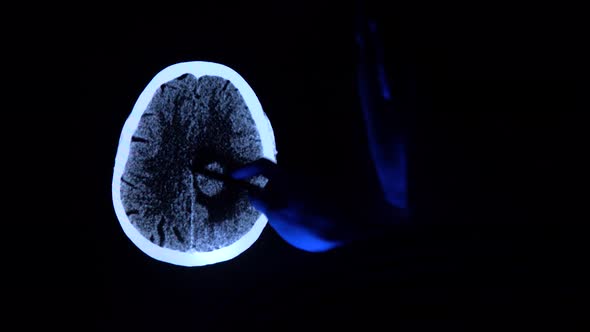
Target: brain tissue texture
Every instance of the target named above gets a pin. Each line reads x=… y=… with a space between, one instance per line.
x=191 y=124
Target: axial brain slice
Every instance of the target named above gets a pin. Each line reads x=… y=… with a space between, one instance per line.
x=191 y=123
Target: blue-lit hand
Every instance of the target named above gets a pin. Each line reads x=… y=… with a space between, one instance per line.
x=293 y=209
x=317 y=217
x=310 y=215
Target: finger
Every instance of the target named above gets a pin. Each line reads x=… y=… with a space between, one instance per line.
x=259 y=167
x=259 y=201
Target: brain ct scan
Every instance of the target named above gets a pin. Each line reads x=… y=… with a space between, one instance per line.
x=192 y=119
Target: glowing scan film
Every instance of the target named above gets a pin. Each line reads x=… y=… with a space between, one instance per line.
x=193 y=119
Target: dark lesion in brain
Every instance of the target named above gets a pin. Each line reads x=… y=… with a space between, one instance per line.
x=193 y=123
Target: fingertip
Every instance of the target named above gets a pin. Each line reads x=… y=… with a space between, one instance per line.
x=259 y=167
x=246 y=172
x=241 y=173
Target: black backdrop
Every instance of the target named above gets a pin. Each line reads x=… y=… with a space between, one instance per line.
x=493 y=152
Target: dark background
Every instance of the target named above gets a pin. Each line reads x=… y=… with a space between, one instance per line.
x=494 y=151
